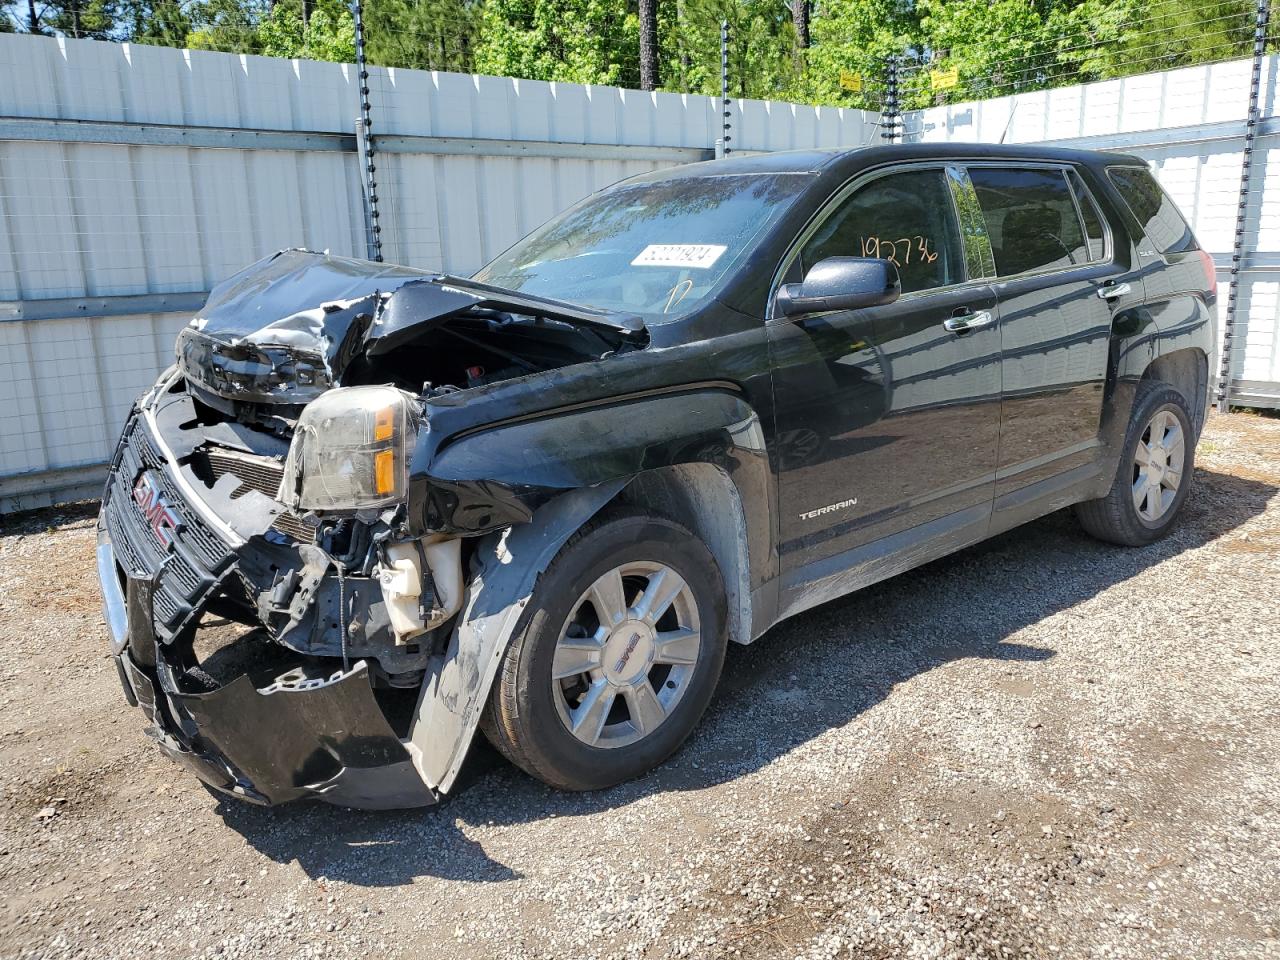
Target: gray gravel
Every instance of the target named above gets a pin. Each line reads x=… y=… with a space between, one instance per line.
x=1040 y=747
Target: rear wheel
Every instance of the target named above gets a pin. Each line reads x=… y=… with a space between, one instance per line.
x=619 y=658
x=1154 y=475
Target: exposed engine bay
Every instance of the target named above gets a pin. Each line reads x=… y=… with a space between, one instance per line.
x=278 y=610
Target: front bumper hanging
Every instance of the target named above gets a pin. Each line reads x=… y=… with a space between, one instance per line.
x=299 y=735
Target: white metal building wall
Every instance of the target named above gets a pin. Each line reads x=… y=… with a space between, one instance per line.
x=1189 y=125
x=133 y=178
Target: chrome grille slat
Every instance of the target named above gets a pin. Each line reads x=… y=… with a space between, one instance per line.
x=187 y=570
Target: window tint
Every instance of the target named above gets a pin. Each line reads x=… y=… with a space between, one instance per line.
x=1031 y=219
x=905 y=217
x=1160 y=219
x=1092 y=217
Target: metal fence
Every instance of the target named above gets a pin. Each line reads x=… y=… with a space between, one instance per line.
x=133 y=178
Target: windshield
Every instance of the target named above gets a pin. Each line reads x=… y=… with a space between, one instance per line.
x=656 y=249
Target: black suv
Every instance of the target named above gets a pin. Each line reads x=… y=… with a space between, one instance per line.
x=371 y=509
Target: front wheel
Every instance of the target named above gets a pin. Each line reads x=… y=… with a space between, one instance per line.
x=1154 y=476
x=618 y=659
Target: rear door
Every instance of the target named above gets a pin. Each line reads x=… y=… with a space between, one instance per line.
x=886 y=417
x=1060 y=279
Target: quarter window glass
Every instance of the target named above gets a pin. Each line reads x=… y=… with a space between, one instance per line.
x=1031 y=219
x=905 y=217
x=1092 y=218
x=1160 y=219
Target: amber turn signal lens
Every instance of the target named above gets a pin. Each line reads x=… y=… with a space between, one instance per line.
x=384 y=423
x=384 y=473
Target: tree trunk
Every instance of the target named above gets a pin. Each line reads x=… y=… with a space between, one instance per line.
x=800 y=20
x=33 y=18
x=307 y=7
x=648 y=44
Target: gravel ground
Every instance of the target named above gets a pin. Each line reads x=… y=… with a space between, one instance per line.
x=1040 y=747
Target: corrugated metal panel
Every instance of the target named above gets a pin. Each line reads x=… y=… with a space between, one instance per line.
x=98 y=219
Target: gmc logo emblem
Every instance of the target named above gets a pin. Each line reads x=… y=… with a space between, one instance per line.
x=161 y=517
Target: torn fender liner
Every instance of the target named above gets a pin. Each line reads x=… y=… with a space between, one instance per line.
x=509 y=564
x=322 y=738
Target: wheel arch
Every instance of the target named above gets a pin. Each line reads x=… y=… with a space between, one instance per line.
x=703 y=498
x=1187 y=371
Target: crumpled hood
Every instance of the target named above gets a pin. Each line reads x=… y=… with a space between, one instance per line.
x=284 y=329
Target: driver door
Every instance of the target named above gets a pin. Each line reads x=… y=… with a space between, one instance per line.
x=887 y=417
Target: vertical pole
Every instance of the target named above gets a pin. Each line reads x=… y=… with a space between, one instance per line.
x=1242 y=209
x=892 y=104
x=722 y=144
x=364 y=144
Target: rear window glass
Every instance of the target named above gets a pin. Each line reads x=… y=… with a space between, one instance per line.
x=1092 y=216
x=1160 y=219
x=906 y=218
x=1031 y=219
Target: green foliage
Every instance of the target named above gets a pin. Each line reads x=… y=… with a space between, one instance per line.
x=82 y=19
x=953 y=49
x=761 y=47
x=329 y=34
x=577 y=41
x=422 y=34
x=855 y=36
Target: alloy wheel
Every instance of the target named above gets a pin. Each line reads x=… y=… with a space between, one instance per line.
x=1157 y=466
x=626 y=654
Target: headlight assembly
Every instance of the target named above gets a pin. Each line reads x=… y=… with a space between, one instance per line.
x=351 y=450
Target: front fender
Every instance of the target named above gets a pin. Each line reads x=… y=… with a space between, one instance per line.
x=506 y=568
x=498 y=476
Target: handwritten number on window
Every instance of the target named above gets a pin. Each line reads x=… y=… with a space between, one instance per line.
x=917 y=245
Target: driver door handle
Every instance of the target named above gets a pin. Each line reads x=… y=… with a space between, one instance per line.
x=1113 y=290
x=968 y=320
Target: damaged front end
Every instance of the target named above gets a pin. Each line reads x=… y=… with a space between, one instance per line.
x=283 y=578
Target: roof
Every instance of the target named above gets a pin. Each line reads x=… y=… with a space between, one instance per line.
x=814 y=160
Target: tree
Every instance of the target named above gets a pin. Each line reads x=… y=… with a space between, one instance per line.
x=226 y=25
x=310 y=29
x=800 y=22
x=577 y=41
x=853 y=38
x=996 y=47
x=423 y=34
x=81 y=19
x=761 y=41
x=648 y=10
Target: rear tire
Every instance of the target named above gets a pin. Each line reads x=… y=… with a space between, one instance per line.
x=1153 y=478
x=600 y=687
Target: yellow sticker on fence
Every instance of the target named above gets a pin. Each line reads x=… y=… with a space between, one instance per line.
x=944 y=79
x=851 y=81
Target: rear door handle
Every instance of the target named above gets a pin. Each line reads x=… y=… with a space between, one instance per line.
x=964 y=322
x=1113 y=290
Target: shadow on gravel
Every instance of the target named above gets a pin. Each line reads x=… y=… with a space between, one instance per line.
x=807 y=675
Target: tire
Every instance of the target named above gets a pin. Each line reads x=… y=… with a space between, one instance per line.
x=531 y=716
x=1124 y=516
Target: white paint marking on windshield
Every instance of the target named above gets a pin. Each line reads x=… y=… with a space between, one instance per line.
x=696 y=255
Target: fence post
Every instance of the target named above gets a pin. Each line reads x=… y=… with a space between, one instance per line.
x=364 y=145
x=1242 y=210
x=722 y=143
x=892 y=111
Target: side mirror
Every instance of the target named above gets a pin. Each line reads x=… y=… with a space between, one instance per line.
x=841 y=283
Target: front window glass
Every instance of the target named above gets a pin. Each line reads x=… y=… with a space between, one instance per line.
x=1031 y=219
x=657 y=248
x=907 y=218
